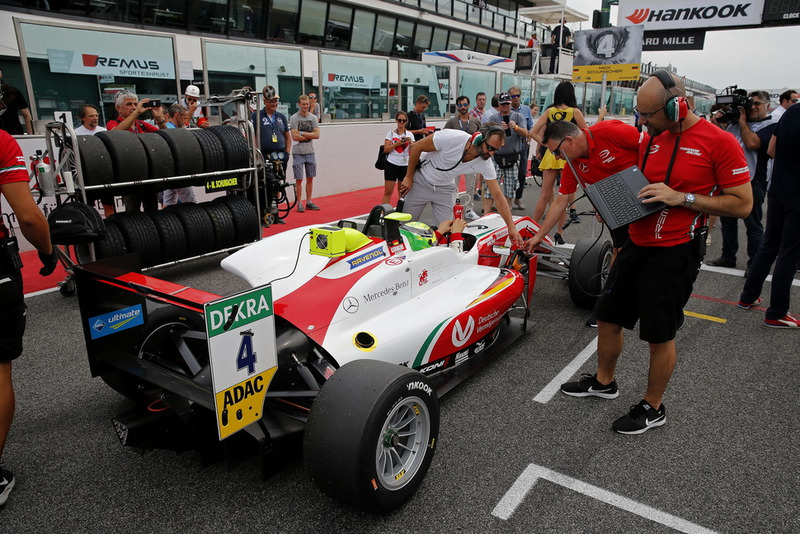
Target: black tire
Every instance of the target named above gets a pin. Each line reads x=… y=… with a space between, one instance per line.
x=160 y=163
x=237 y=152
x=128 y=156
x=95 y=161
x=352 y=429
x=171 y=235
x=197 y=226
x=222 y=220
x=245 y=218
x=112 y=244
x=141 y=236
x=185 y=151
x=588 y=269
x=213 y=153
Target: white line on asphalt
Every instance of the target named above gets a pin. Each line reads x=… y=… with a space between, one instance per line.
x=550 y=389
x=738 y=273
x=518 y=491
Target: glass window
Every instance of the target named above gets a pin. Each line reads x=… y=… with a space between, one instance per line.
x=521 y=81
x=282 y=20
x=247 y=17
x=483 y=45
x=422 y=41
x=403 y=41
x=454 y=42
x=233 y=66
x=461 y=10
x=363 y=26
x=444 y=7
x=340 y=27
x=67 y=71
x=439 y=40
x=430 y=5
x=312 y=22
x=432 y=81
x=354 y=88
x=170 y=13
x=494 y=48
x=469 y=42
x=544 y=92
x=384 y=35
x=208 y=16
x=471 y=82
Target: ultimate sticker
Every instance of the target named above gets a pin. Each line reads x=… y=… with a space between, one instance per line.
x=116 y=321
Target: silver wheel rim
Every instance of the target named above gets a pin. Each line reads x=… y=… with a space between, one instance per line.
x=401 y=443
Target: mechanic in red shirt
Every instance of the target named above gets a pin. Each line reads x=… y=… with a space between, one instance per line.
x=596 y=152
x=15 y=189
x=689 y=163
x=130 y=108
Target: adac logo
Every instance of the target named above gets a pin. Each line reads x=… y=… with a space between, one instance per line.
x=638 y=16
x=462 y=334
x=92 y=60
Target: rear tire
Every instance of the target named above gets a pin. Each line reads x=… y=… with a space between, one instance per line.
x=211 y=146
x=197 y=226
x=246 y=225
x=141 y=236
x=588 y=271
x=234 y=145
x=160 y=163
x=112 y=244
x=185 y=151
x=371 y=435
x=128 y=156
x=171 y=235
x=222 y=220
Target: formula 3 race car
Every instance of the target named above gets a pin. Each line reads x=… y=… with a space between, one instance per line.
x=350 y=334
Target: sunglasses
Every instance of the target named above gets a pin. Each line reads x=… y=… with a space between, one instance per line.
x=462 y=105
x=313 y=97
x=490 y=148
x=646 y=115
x=515 y=96
x=401 y=120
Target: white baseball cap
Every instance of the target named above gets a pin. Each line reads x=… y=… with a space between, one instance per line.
x=192 y=90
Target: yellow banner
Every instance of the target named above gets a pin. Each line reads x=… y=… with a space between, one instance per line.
x=243 y=403
x=594 y=73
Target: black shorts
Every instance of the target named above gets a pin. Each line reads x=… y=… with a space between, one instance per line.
x=12 y=315
x=650 y=285
x=619 y=236
x=394 y=172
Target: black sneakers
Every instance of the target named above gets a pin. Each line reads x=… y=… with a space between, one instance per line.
x=6 y=485
x=588 y=386
x=640 y=419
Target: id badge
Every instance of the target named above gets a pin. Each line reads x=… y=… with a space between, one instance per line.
x=274 y=138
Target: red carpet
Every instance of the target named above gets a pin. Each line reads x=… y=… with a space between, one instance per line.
x=332 y=208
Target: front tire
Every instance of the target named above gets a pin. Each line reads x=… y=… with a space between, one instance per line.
x=371 y=435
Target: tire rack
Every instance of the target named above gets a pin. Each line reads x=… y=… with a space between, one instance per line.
x=60 y=138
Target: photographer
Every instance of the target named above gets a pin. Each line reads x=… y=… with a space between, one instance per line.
x=753 y=128
x=506 y=160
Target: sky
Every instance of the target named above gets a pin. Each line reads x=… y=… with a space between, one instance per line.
x=753 y=59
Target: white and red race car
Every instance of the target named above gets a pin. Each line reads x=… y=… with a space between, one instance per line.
x=349 y=336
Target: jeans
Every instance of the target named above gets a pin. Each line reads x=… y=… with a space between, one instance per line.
x=781 y=245
x=523 y=171
x=752 y=224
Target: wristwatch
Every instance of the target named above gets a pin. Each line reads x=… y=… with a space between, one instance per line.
x=688 y=199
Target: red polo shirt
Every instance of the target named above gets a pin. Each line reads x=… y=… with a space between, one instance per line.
x=12 y=162
x=137 y=128
x=707 y=161
x=613 y=146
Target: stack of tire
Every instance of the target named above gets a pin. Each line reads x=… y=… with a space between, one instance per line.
x=179 y=231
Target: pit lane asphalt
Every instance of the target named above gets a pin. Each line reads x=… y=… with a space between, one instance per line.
x=726 y=460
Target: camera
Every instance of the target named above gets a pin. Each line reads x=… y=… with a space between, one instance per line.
x=734 y=98
x=152 y=104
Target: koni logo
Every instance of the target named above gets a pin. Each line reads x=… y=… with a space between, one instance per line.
x=705 y=12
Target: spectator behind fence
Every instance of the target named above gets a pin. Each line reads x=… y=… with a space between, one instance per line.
x=397 y=146
x=304 y=127
x=12 y=105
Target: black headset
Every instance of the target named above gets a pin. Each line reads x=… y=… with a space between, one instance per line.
x=676 y=108
x=485 y=133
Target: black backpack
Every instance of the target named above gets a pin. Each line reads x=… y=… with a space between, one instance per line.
x=75 y=223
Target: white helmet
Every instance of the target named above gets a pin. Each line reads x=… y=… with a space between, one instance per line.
x=192 y=90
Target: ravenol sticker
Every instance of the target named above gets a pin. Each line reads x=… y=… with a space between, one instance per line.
x=365 y=258
x=116 y=321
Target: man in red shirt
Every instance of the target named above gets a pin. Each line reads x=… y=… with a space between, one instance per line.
x=130 y=108
x=597 y=152
x=689 y=163
x=14 y=187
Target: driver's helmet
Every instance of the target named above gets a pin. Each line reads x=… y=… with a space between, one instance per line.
x=418 y=234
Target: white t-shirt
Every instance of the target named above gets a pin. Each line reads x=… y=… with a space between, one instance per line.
x=83 y=130
x=399 y=157
x=450 y=146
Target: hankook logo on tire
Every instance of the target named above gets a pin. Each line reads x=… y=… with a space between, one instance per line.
x=462 y=334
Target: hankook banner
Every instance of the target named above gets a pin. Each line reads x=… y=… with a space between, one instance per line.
x=786 y=11
x=681 y=14
x=674 y=40
x=615 y=52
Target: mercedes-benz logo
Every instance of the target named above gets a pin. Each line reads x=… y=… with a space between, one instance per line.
x=350 y=304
